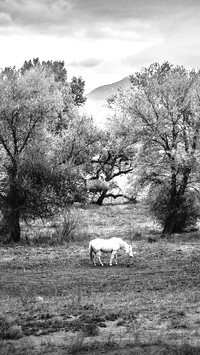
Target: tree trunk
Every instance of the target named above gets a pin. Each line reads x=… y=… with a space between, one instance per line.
x=172 y=207
x=13 y=207
x=14 y=227
x=101 y=198
x=169 y=226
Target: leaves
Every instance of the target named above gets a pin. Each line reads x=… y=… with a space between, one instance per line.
x=77 y=86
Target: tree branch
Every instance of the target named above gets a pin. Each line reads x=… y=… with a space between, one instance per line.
x=30 y=131
x=121 y=172
x=2 y=141
x=120 y=195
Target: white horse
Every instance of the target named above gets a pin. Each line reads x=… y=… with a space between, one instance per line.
x=112 y=245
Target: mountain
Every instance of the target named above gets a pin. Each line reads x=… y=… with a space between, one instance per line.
x=96 y=104
x=103 y=92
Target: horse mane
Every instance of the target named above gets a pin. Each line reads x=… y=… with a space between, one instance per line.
x=123 y=243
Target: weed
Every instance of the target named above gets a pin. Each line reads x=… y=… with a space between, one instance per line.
x=69 y=227
x=9 y=329
x=77 y=345
x=133 y=327
x=90 y=329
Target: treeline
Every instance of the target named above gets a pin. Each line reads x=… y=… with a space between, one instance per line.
x=52 y=156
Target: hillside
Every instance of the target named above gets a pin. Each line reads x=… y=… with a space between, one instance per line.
x=96 y=104
x=103 y=92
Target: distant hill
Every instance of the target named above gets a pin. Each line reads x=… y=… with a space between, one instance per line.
x=103 y=92
x=97 y=100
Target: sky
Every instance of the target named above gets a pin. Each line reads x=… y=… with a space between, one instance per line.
x=100 y=40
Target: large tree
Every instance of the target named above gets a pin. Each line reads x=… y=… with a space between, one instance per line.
x=162 y=111
x=32 y=181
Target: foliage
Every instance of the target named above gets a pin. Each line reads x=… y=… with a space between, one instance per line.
x=34 y=181
x=9 y=329
x=187 y=212
x=77 y=86
x=161 y=112
x=56 y=67
x=80 y=139
x=74 y=89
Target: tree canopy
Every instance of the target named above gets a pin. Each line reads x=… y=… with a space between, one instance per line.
x=76 y=86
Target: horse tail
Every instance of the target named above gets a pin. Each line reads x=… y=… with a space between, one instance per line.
x=91 y=250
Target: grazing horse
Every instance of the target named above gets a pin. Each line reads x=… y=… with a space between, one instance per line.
x=112 y=245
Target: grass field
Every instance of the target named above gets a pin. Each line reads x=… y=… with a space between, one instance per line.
x=53 y=301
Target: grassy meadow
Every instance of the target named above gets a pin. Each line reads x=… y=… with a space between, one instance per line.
x=53 y=301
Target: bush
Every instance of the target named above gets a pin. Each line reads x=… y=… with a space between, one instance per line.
x=8 y=329
x=186 y=208
x=68 y=229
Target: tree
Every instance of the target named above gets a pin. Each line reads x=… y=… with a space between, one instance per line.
x=115 y=159
x=32 y=184
x=77 y=86
x=162 y=110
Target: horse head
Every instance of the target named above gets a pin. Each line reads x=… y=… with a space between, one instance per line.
x=128 y=249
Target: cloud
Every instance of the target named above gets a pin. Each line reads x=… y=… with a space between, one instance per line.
x=173 y=49
x=89 y=62
x=39 y=16
x=100 y=40
x=5 y=19
x=93 y=18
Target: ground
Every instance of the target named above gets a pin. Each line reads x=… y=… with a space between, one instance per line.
x=53 y=301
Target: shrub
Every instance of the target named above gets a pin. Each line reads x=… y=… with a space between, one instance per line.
x=8 y=329
x=68 y=229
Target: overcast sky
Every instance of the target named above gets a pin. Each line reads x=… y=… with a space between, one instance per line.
x=101 y=40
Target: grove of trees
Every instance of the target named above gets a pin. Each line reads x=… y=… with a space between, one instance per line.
x=48 y=149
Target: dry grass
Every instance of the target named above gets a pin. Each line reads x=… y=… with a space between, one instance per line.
x=63 y=305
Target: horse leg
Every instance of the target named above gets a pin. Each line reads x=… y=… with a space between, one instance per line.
x=116 y=258
x=93 y=259
x=113 y=254
x=99 y=257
